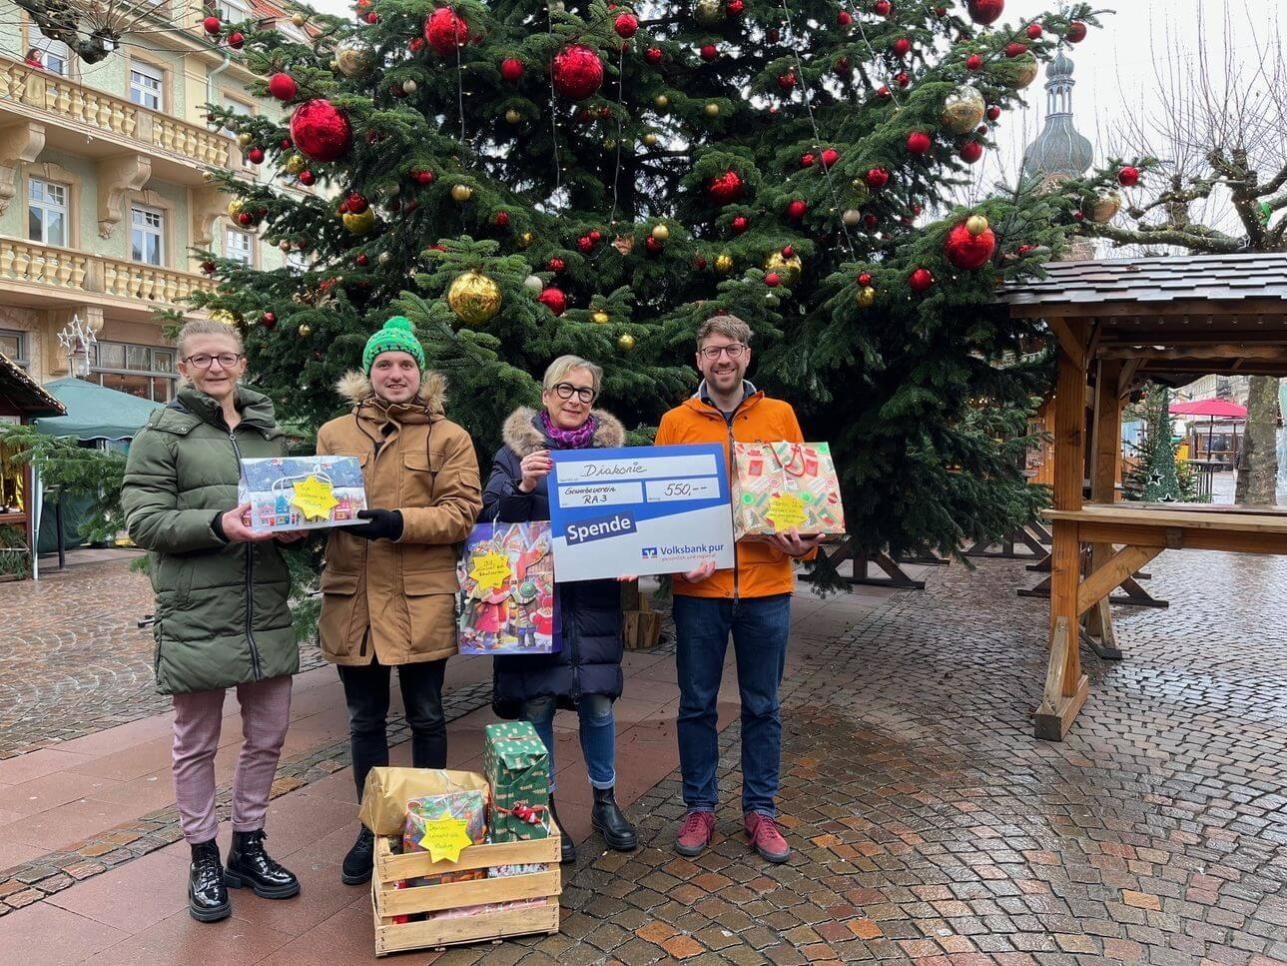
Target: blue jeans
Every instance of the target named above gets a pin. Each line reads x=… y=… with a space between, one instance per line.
x=598 y=735
x=760 y=627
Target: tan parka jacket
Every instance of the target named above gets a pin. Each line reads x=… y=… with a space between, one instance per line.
x=397 y=600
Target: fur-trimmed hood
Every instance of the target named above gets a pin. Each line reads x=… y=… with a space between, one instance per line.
x=356 y=387
x=523 y=435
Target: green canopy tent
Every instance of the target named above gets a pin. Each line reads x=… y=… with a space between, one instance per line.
x=95 y=415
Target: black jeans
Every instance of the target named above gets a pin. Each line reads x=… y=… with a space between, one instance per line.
x=366 y=692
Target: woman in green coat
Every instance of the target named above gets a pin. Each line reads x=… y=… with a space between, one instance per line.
x=222 y=619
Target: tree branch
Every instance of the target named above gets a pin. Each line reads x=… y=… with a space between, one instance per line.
x=1212 y=243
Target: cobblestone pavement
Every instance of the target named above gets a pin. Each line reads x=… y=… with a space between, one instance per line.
x=76 y=660
x=930 y=826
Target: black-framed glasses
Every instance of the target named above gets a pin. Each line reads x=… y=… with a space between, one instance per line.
x=733 y=351
x=565 y=390
x=204 y=361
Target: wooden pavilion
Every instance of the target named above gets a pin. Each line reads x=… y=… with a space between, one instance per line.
x=1120 y=323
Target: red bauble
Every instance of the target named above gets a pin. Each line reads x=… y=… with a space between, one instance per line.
x=974 y=62
x=968 y=252
x=372 y=17
x=363 y=261
x=787 y=81
x=445 y=31
x=208 y=267
x=653 y=55
x=307 y=178
x=788 y=251
x=994 y=113
x=1034 y=31
x=577 y=72
x=626 y=25
x=212 y=24
x=653 y=245
x=921 y=280
x=971 y=151
x=236 y=40
x=423 y=177
x=1079 y=216
x=741 y=223
x=709 y=52
x=877 y=178
x=501 y=219
x=773 y=35
x=1015 y=49
x=511 y=69
x=734 y=7
x=902 y=47
x=320 y=130
x=843 y=65
x=699 y=262
x=285 y=144
x=416 y=44
x=245 y=219
x=844 y=18
x=829 y=157
x=283 y=87
x=807 y=159
x=772 y=279
x=557 y=265
x=725 y=188
x=864 y=279
x=918 y=142
x=985 y=11
x=883 y=8
x=596 y=236
x=1024 y=249
x=554 y=299
x=796 y=209
x=255 y=155
x=1128 y=177
x=883 y=92
x=355 y=203
x=870 y=221
x=585 y=244
x=268 y=320
x=1076 y=32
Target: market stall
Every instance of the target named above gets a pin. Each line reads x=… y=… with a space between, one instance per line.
x=21 y=400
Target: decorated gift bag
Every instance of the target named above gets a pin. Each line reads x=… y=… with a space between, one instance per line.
x=780 y=486
x=507 y=599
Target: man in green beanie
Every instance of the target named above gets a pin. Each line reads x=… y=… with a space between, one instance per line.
x=389 y=584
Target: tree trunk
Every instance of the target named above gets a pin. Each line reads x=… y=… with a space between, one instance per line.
x=1258 y=459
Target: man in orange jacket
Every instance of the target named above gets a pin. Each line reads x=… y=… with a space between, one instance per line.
x=752 y=602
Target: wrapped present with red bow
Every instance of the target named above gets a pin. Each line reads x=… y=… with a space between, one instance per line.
x=782 y=486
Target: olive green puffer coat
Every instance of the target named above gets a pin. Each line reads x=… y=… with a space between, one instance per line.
x=221 y=608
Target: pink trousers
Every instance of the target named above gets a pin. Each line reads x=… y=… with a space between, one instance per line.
x=198 y=718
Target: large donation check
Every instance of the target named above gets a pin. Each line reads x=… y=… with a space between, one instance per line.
x=642 y=510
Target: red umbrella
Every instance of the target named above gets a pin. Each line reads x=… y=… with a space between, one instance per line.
x=1215 y=408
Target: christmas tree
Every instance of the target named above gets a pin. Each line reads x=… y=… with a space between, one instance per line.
x=525 y=180
x=1156 y=478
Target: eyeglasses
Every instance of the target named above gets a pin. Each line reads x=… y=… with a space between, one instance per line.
x=226 y=359
x=565 y=390
x=733 y=351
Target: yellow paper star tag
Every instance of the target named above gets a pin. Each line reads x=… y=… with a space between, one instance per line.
x=314 y=498
x=444 y=838
x=491 y=569
x=786 y=511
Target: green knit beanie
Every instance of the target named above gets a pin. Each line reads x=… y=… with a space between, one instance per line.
x=397 y=335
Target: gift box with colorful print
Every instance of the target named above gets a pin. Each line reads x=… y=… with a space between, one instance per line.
x=517 y=766
x=783 y=486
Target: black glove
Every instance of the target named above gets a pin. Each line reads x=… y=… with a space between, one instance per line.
x=384 y=525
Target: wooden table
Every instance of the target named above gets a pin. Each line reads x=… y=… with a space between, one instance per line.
x=1136 y=533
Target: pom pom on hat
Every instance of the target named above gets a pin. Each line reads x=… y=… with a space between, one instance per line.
x=396 y=335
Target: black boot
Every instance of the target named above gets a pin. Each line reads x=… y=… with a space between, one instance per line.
x=608 y=819
x=207 y=895
x=358 y=863
x=250 y=865
x=567 y=852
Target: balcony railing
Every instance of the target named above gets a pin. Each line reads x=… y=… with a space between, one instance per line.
x=84 y=106
x=75 y=273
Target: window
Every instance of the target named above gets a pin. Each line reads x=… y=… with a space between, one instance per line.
x=14 y=345
x=140 y=370
x=54 y=55
x=46 y=212
x=148 y=235
x=238 y=245
x=234 y=11
x=146 y=85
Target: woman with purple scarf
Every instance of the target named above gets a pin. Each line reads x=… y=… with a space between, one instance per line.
x=585 y=675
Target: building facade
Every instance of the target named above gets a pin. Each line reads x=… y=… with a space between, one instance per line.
x=104 y=194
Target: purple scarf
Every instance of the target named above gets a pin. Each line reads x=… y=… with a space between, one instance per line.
x=578 y=438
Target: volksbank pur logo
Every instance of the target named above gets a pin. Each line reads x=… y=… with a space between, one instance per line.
x=648 y=553
x=599 y=528
x=681 y=550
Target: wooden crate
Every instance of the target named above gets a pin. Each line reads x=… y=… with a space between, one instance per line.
x=641 y=625
x=387 y=901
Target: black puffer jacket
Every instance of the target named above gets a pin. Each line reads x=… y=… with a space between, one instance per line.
x=590 y=610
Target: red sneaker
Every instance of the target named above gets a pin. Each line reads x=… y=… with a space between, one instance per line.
x=695 y=834
x=765 y=837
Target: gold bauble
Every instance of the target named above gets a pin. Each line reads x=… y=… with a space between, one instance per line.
x=305 y=330
x=609 y=144
x=354 y=60
x=660 y=232
x=723 y=263
x=295 y=164
x=788 y=268
x=963 y=110
x=709 y=13
x=600 y=317
x=234 y=208
x=224 y=316
x=461 y=192
x=512 y=116
x=299 y=20
x=1104 y=206
x=625 y=342
x=1026 y=73
x=244 y=139
x=712 y=110
x=649 y=139
x=359 y=224
x=976 y=225
x=661 y=102
x=525 y=240
x=866 y=297
x=852 y=217
x=474 y=298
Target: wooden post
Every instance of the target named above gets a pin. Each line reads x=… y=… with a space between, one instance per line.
x=1056 y=712
x=1105 y=452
